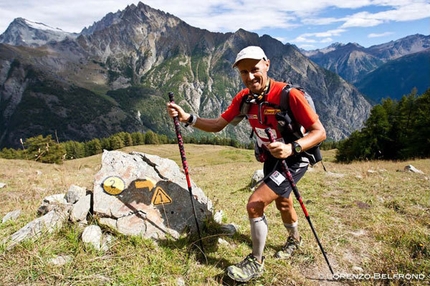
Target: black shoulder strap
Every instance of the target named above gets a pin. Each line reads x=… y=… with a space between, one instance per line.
x=243 y=109
x=285 y=98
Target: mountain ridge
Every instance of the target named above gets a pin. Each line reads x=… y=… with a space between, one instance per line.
x=123 y=68
x=353 y=62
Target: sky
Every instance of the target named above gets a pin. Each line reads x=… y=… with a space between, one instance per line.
x=308 y=24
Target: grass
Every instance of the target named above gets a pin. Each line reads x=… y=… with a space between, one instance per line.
x=371 y=217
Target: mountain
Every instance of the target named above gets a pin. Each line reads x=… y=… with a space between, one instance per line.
x=115 y=76
x=398 y=76
x=355 y=63
x=402 y=47
x=22 y=32
x=350 y=61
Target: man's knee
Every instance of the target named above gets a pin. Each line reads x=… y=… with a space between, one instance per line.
x=255 y=208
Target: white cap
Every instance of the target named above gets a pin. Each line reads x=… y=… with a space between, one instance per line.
x=250 y=52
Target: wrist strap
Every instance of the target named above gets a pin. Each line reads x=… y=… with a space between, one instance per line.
x=191 y=120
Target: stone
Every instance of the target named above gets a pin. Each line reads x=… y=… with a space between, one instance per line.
x=410 y=168
x=218 y=216
x=13 y=215
x=146 y=195
x=60 y=260
x=256 y=178
x=92 y=235
x=75 y=193
x=81 y=209
x=229 y=229
x=54 y=219
x=51 y=202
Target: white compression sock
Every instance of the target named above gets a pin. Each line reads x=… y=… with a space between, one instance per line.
x=259 y=229
x=293 y=229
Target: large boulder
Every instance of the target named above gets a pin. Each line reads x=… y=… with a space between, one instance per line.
x=142 y=194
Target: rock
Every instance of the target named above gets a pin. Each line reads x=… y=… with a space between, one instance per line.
x=54 y=219
x=92 y=235
x=180 y=281
x=49 y=203
x=81 y=209
x=256 y=178
x=142 y=194
x=2 y=185
x=218 y=216
x=106 y=242
x=410 y=168
x=60 y=260
x=223 y=242
x=13 y=215
x=229 y=229
x=75 y=193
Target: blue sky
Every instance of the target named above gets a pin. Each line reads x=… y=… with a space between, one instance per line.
x=309 y=24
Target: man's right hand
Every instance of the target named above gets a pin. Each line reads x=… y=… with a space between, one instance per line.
x=175 y=110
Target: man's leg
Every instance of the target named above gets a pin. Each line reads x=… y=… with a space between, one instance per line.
x=257 y=203
x=253 y=265
x=288 y=215
x=290 y=220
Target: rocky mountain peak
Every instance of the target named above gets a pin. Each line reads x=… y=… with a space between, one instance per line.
x=22 y=32
x=132 y=15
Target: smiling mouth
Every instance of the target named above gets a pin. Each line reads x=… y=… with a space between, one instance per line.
x=255 y=86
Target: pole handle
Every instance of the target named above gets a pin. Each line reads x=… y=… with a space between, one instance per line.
x=269 y=134
x=171 y=97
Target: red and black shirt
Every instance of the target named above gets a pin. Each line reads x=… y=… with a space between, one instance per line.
x=262 y=116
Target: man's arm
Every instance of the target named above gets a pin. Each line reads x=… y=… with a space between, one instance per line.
x=315 y=135
x=205 y=124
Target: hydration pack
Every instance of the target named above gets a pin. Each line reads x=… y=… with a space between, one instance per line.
x=289 y=128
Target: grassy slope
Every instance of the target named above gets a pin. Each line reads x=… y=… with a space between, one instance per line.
x=368 y=216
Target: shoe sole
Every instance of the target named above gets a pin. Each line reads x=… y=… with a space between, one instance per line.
x=242 y=279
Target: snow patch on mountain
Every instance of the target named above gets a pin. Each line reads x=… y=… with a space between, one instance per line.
x=22 y=32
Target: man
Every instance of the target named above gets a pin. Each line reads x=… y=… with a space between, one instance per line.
x=253 y=66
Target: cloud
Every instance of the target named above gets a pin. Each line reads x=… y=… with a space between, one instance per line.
x=405 y=12
x=378 y=12
x=380 y=35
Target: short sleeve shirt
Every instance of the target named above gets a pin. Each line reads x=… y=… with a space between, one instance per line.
x=261 y=116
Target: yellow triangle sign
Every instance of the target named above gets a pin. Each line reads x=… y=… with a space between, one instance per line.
x=160 y=197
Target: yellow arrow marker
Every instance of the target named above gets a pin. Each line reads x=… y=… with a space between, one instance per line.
x=113 y=185
x=160 y=197
x=145 y=183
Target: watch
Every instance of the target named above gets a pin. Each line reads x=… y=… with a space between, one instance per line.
x=296 y=147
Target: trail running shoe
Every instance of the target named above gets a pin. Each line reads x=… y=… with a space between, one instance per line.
x=246 y=270
x=289 y=248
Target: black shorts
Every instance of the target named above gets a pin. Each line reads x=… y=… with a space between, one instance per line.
x=276 y=178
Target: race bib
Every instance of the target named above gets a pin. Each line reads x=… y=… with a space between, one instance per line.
x=277 y=178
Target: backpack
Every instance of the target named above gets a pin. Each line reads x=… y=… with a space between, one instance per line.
x=289 y=128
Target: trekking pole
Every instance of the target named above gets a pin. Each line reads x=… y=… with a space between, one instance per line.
x=299 y=198
x=185 y=166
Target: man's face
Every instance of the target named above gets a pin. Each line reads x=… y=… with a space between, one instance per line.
x=254 y=74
